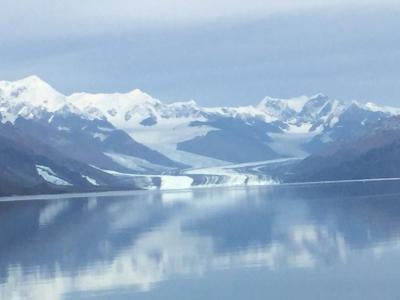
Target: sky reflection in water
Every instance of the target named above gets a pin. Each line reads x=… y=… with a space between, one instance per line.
x=308 y=243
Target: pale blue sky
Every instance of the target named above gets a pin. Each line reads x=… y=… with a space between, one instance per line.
x=216 y=52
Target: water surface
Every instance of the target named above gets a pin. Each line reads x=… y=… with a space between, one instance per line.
x=338 y=241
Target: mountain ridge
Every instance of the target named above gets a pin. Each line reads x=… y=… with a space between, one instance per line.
x=133 y=136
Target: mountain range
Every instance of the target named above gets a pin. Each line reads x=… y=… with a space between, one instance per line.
x=51 y=142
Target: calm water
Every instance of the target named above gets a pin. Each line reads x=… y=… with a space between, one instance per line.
x=315 y=242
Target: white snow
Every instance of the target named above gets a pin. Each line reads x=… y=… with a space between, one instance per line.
x=167 y=182
x=127 y=111
x=297 y=103
x=242 y=112
x=175 y=182
x=298 y=129
x=230 y=175
x=105 y=129
x=90 y=180
x=34 y=91
x=167 y=133
x=229 y=169
x=100 y=136
x=244 y=174
x=47 y=174
x=290 y=142
x=190 y=159
x=32 y=96
x=276 y=108
x=386 y=109
x=134 y=163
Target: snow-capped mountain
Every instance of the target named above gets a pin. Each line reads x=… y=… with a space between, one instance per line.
x=31 y=91
x=352 y=121
x=27 y=165
x=46 y=117
x=282 y=109
x=372 y=152
x=204 y=136
x=133 y=135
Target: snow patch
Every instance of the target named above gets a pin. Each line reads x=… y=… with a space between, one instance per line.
x=385 y=109
x=47 y=174
x=100 y=136
x=90 y=180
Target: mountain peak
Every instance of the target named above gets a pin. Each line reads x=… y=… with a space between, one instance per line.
x=276 y=108
x=357 y=105
x=31 y=79
x=319 y=96
x=273 y=102
x=139 y=92
x=29 y=82
x=33 y=91
x=35 y=82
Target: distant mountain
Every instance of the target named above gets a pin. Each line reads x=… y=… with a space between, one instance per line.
x=374 y=153
x=351 y=123
x=134 y=140
x=232 y=140
x=29 y=166
x=34 y=107
x=189 y=133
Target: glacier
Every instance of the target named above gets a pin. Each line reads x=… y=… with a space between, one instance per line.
x=177 y=137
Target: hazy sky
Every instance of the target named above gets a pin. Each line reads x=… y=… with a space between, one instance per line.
x=217 y=52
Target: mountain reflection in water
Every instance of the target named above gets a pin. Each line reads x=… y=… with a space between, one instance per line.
x=147 y=242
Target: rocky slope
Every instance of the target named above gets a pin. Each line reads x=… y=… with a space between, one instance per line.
x=131 y=140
